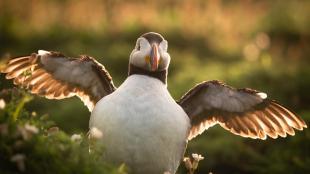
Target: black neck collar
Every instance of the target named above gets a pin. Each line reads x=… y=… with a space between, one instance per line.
x=161 y=75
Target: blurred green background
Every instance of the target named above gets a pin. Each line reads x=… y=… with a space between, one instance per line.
x=263 y=45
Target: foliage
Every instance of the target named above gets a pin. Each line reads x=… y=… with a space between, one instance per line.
x=30 y=143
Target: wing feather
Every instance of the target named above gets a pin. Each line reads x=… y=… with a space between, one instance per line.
x=245 y=112
x=295 y=122
x=56 y=76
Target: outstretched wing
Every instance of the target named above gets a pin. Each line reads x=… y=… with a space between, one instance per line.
x=56 y=76
x=244 y=112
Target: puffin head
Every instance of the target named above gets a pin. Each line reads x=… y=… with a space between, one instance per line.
x=150 y=52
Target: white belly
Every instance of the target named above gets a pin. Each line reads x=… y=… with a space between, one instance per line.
x=142 y=126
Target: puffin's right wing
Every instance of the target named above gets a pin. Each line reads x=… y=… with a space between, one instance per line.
x=245 y=112
x=56 y=76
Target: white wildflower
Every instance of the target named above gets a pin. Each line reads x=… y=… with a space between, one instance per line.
x=95 y=133
x=33 y=114
x=32 y=129
x=76 y=137
x=2 y=104
x=197 y=157
x=27 y=131
x=188 y=163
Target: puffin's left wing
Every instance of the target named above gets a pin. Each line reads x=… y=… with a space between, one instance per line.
x=244 y=112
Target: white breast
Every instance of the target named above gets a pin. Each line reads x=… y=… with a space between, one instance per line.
x=142 y=126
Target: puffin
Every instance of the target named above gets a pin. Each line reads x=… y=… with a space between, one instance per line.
x=141 y=125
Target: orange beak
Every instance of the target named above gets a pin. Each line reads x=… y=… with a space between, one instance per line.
x=154 y=57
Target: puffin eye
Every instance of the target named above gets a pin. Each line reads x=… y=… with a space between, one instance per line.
x=137 y=47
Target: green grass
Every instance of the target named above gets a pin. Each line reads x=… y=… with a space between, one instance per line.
x=30 y=143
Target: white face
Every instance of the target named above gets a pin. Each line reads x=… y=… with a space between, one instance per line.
x=141 y=54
